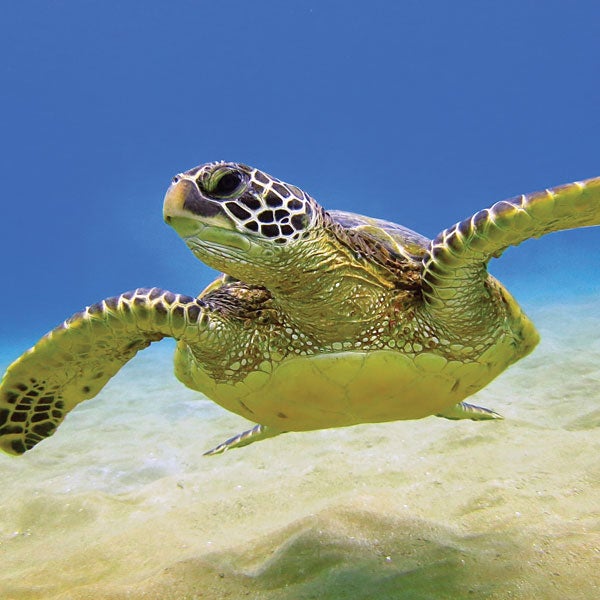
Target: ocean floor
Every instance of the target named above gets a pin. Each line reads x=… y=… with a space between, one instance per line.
x=120 y=503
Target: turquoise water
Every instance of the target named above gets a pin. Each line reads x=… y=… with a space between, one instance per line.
x=120 y=502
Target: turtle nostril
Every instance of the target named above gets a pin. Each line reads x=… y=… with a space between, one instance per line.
x=175 y=179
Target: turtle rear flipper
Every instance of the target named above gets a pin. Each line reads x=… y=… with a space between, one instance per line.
x=456 y=286
x=462 y=410
x=73 y=362
x=256 y=434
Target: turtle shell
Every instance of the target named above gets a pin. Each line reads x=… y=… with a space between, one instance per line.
x=395 y=238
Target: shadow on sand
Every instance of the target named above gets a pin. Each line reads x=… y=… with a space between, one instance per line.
x=349 y=554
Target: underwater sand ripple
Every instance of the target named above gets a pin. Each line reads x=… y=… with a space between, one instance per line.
x=121 y=504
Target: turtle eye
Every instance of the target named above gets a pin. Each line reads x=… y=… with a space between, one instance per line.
x=224 y=183
x=228 y=184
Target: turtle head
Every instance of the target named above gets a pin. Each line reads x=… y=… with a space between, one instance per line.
x=238 y=219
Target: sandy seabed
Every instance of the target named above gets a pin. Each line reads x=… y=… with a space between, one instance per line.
x=120 y=503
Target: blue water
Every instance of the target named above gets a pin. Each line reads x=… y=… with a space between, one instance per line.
x=420 y=113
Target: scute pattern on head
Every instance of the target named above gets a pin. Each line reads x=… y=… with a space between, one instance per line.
x=259 y=204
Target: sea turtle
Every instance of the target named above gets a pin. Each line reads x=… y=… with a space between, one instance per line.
x=321 y=319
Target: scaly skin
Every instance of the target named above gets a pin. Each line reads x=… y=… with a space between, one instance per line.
x=324 y=320
x=455 y=275
x=74 y=361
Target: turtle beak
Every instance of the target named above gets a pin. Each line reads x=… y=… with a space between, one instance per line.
x=184 y=205
x=183 y=199
x=198 y=219
x=175 y=198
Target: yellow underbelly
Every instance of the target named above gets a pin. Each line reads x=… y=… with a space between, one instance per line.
x=334 y=390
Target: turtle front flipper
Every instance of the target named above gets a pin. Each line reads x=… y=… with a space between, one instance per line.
x=455 y=280
x=73 y=362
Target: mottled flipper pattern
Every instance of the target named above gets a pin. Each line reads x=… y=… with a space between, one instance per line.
x=73 y=362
